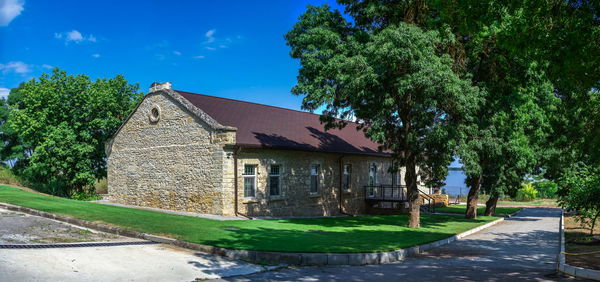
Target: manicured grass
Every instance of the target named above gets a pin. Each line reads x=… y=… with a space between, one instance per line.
x=480 y=209
x=343 y=234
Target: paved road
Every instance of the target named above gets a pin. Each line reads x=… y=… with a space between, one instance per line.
x=124 y=259
x=522 y=248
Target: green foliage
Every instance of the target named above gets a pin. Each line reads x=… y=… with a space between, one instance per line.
x=547 y=189
x=526 y=193
x=85 y=196
x=8 y=177
x=341 y=234
x=61 y=123
x=583 y=186
x=395 y=79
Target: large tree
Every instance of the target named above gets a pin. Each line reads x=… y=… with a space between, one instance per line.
x=396 y=80
x=61 y=123
x=531 y=59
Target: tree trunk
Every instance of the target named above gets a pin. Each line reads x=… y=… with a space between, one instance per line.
x=594 y=223
x=490 y=205
x=412 y=193
x=472 y=197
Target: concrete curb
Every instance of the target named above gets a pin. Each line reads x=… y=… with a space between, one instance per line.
x=263 y=256
x=562 y=265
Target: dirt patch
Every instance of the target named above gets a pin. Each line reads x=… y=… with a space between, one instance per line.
x=19 y=228
x=584 y=250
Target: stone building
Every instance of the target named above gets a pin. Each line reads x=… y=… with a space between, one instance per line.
x=191 y=152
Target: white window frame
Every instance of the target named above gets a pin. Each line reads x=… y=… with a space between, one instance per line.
x=317 y=174
x=253 y=176
x=278 y=175
x=346 y=178
x=374 y=174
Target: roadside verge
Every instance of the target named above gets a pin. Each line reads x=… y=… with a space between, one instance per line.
x=262 y=257
x=562 y=265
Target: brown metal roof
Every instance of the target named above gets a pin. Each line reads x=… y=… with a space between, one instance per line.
x=273 y=127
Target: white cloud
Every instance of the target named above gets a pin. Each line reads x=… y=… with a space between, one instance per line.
x=210 y=36
x=214 y=43
x=177 y=53
x=75 y=36
x=45 y=66
x=199 y=57
x=96 y=55
x=10 y=9
x=4 y=92
x=16 y=67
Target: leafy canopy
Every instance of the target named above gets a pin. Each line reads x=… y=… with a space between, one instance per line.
x=396 y=81
x=61 y=123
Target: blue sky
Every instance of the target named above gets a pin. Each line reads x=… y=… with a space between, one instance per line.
x=233 y=49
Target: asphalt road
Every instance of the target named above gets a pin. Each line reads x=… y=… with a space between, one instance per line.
x=522 y=248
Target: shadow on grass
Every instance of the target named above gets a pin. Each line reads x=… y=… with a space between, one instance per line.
x=427 y=221
x=365 y=234
x=351 y=241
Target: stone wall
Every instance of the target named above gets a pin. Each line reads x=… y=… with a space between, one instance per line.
x=295 y=198
x=167 y=157
x=175 y=162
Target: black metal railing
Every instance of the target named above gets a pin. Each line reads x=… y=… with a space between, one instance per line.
x=385 y=192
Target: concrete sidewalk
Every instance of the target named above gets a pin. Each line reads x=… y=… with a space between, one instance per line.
x=522 y=248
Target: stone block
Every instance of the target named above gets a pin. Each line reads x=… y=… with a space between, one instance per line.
x=356 y=259
x=386 y=257
x=587 y=273
x=399 y=254
x=337 y=259
x=314 y=259
x=371 y=258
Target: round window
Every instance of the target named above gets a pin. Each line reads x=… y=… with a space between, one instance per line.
x=154 y=114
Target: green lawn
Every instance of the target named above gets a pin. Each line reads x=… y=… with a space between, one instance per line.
x=343 y=234
x=480 y=209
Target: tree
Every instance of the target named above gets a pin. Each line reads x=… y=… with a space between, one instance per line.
x=583 y=183
x=62 y=122
x=396 y=80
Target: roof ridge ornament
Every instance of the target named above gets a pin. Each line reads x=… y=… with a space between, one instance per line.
x=157 y=86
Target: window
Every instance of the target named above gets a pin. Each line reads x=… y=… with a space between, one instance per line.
x=396 y=177
x=346 y=177
x=372 y=174
x=249 y=181
x=274 y=180
x=314 y=178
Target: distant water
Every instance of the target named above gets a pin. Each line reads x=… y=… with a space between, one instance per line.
x=455 y=183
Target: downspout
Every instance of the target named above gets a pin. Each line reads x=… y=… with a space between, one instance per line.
x=341 y=186
x=235 y=182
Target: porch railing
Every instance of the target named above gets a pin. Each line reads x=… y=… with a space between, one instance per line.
x=386 y=192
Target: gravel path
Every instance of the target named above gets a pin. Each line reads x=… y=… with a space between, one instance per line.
x=522 y=248
x=20 y=228
x=105 y=258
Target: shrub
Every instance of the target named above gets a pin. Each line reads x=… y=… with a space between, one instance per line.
x=526 y=193
x=101 y=186
x=547 y=189
x=8 y=177
x=85 y=196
